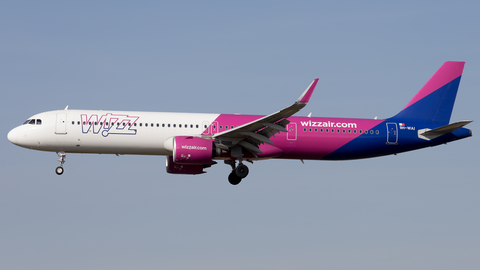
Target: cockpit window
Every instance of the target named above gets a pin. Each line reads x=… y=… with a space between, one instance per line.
x=32 y=122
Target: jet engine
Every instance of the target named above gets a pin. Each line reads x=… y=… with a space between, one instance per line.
x=176 y=168
x=190 y=154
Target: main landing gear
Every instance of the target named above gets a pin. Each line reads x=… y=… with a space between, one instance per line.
x=59 y=170
x=238 y=173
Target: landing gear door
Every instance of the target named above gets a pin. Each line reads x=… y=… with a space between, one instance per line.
x=61 y=125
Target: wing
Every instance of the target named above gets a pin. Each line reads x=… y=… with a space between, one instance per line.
x=252 y=134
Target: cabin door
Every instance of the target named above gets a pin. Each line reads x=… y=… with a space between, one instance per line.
x=392 y=133
x=61 y=125
x=292 y=132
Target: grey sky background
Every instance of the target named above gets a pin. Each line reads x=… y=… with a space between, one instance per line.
x=417 y=210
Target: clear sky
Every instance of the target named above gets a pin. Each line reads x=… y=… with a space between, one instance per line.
x=417 y=210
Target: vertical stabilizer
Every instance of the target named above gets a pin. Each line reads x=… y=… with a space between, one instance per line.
x=434 y=102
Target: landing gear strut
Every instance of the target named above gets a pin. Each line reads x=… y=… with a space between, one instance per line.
x=59 y=170
x=238 y=173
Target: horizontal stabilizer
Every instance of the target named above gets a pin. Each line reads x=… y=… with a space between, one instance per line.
x=429 y=134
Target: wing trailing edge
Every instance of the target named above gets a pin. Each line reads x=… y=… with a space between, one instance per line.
x=259 y=131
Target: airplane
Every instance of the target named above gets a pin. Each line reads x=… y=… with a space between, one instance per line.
x=193 y=142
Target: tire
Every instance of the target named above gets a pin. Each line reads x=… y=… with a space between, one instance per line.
x=59 y=170
x=234 y=179
x=241 y=171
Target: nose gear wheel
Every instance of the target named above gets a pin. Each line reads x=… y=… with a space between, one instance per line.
x=62 y=155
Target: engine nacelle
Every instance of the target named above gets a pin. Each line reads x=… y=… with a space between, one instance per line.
x=192 y=150
x=176 y=168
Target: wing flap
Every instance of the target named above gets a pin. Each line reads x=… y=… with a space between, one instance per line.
x=257 y=136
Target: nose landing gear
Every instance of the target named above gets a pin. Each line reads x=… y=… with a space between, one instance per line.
x=59 y=170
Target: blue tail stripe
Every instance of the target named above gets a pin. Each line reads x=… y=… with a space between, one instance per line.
x=434 y=108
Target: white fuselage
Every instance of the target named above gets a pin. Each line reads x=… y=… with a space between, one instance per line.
x=108 y=132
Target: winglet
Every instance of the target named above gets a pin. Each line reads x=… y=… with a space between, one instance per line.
x=305 y=97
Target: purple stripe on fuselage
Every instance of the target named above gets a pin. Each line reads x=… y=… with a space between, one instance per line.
x=314 y=142
x=307 y=137
x=226 y=122
x=448 y=72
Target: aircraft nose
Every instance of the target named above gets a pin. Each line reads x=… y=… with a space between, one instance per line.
x=13 y=136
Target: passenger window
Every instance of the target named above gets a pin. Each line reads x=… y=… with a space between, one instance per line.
x=174 y=125
x=371 y=131
x=158 y=125
x=78 y=123
x=180 y=125
x=140 y=124
x=163 y=125
x=196 y=126
x=377 y=132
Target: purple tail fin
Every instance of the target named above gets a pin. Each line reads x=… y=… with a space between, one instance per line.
x=434 y=102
